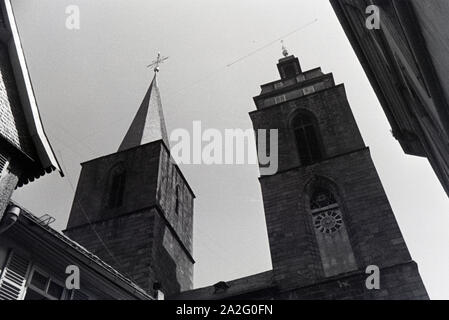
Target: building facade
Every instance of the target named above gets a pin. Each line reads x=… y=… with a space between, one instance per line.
x=130 y=230
x=34 y=258
x=36 y=261
x=406 y=60
x=130 y=227
x=25 y=152
x=328 y=217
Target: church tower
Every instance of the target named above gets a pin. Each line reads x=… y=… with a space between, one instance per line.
x=134 y=208
x=327 y=215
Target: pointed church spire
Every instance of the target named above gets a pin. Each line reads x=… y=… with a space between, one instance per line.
x=148 y=124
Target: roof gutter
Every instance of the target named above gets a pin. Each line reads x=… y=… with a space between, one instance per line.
x=10 y=217
x=93 y=265
x=45 y=153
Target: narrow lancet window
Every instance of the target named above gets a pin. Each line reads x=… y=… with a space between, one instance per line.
x=117 y=180
x=307 y=141
x=331 y=234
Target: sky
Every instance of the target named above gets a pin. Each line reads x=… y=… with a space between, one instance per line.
x=90 y=82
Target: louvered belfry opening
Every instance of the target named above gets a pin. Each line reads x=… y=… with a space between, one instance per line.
x=307 y=141
x=117 y=189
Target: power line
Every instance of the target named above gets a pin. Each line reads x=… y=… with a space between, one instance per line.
x=213 y=73
x=81 y=141
x=68 y=147
x=272 y=42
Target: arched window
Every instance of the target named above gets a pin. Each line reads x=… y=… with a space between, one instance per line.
x=307 y=141
x=177 y=203
x=331 y=234
x=325 y=211
x=117 y=179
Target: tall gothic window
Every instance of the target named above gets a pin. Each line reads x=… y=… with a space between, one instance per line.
x=307 y=141
x=116 y=189
x=332 y=238
x=325 y=211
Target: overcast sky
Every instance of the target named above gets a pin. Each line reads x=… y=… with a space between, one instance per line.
x=90 y=82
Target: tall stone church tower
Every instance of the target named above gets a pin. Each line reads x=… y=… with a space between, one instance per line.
x=134 y=208
x=327 y=214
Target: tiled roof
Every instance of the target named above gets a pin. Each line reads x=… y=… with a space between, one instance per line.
x=80 y=249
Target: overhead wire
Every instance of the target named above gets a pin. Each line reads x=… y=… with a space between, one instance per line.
x=81 y=141
x=213 y=73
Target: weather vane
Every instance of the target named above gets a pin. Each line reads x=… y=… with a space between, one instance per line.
x=159 y=60
x=284 y=49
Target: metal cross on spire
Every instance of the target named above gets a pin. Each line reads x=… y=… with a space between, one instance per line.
x=159 y=60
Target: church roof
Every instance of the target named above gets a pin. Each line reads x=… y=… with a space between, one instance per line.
x=148 y=124
x=241 y=288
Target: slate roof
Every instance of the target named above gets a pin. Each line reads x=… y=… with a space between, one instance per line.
x=148 y=124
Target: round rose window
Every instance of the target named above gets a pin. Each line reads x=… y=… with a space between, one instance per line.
x=328 y=221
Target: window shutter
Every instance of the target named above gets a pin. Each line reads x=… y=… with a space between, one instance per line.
x=13 y=278
x=3 y=164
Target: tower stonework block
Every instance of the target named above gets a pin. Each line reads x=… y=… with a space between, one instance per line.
x=144 y=236
x=134 y=208
x=327 y=214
